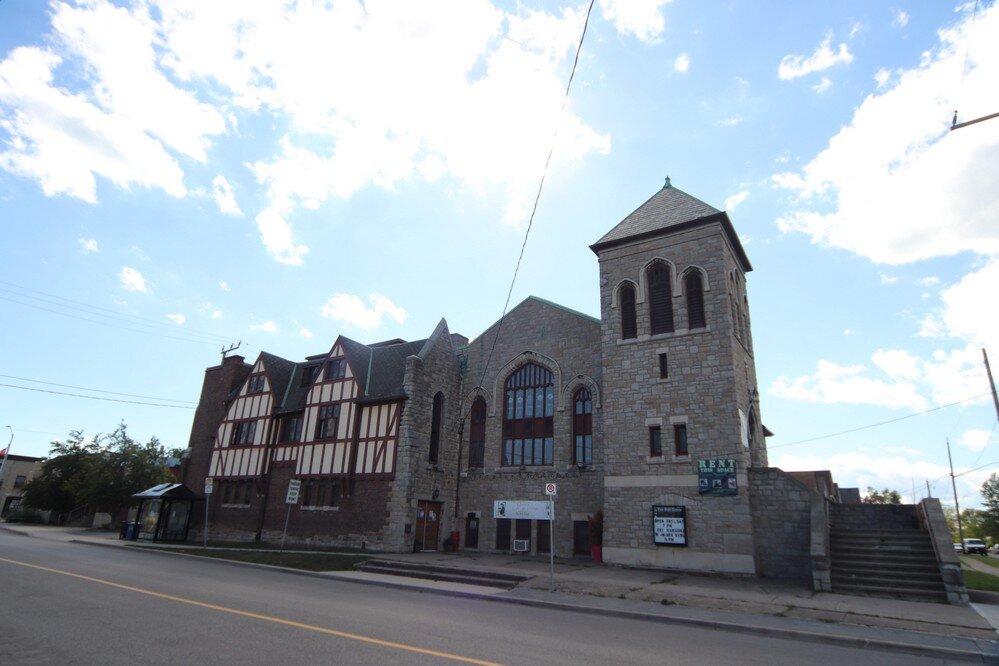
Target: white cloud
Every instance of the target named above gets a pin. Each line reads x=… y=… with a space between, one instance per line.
x=305 y=333
x=897 y=363
x=224 y=286
x=682 y=63
x=894 y=185
x=848 y=332
x=640 y=18
x=88 y=245
x=64 y=141
x=265 y=326
x=132 y=280
x=838 y=384
x=929 y=281
x=900 y=19
x=732 y=121
x=216 y=314
x=888 y=279
x=824 y=84
x=732 y=202
x=177 y=318
x=350 y=309
x=882 y=77
x=855 y=29
x=224 y=197
x=824 y=57
x=975 y=439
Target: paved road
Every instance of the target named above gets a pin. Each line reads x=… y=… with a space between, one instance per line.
x=69 y=603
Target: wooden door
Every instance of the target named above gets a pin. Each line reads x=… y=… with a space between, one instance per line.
x=428 y=525
x=580 y=537
x=544 y=536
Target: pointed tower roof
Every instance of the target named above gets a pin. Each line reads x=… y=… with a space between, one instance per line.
x=670 y=209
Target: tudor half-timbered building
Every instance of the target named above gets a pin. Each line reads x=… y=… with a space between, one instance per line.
x=400 y=444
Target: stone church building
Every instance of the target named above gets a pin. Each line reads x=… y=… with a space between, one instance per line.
x=649 y=414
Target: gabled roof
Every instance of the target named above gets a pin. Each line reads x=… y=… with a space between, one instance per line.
x=670 y=209
x=541 y=301
x=278 y=371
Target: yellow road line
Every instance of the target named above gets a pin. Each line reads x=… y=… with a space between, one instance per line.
x=260 y=616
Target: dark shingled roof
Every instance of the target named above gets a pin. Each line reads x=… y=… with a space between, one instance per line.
x=669 y=209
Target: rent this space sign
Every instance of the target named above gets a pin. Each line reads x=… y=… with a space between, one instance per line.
x=716 y=476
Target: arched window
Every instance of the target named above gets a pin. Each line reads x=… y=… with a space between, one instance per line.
x=736 y=326
x=660 y=299
x=751 y=429
x=629 y=324
x=582 y=427
x=528 y=431
x=745 y=322
x=435 y=428
x=477 y=434
x=693 y=289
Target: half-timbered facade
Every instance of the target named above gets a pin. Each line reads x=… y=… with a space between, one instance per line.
x=401 y=444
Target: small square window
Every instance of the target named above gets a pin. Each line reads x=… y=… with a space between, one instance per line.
x=680 y=439
x=655 y=441
x=663 y=366
x=256 y=384
x=336 y=369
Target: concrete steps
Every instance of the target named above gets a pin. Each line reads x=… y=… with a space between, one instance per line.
x=442 y=573
x=898 y=563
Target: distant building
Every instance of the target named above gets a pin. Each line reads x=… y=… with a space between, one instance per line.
x=15 y=472
x=849 y=495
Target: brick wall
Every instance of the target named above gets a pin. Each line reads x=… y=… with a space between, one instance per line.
x=781 y=510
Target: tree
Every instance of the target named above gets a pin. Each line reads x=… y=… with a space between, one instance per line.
x=885 y=496
x=102 y=473
x=990 y=495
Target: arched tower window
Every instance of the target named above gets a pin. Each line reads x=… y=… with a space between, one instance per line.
x=660 y=299
x=582 y=427
x=629 y=322
x=732 y=301
x=529 y=405
x=693 y=289
x=477 y=434
x=435 y=428
x=751 y=428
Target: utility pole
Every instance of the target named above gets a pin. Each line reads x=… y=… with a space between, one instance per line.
x=231 y=348
x=928 y=493
x=957 y=507
x=992 y=384
x=6 y=452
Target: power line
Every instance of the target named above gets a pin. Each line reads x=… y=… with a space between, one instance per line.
x=114 y=314
x=85 y=388
x=94 y=397
x=879 y=423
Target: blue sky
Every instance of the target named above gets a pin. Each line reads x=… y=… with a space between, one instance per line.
x=196 y=173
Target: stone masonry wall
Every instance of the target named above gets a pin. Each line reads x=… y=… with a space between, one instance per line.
x=781 y=509
x=703 y=390
x=567 y=343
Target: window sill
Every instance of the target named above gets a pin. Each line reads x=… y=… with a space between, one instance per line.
x=319 y=508
x=506 y=469
x=664 y=380
x=235 y=506
x=679 y=333
x=655 y=460
x=682 y=459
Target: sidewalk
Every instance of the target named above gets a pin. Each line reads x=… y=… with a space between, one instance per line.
x=723 y=602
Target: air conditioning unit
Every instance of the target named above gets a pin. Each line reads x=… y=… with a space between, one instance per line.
x=521 y=545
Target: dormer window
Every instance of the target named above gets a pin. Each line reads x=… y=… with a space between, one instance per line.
x=309 y=374
x=336 y=369
x=257 y=383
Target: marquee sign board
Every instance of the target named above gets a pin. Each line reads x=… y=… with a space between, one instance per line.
x=669 y=525
x=716 y=476
x=522 y=509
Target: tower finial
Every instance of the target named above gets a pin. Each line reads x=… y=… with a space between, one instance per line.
x=667 y=183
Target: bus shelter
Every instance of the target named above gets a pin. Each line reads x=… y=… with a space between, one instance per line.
x=161 y=513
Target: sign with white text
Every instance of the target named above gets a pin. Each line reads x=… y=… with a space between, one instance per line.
x=209 y=486
x=294 y=488
x=716 y=476
x=522 y=509
x=669 y=525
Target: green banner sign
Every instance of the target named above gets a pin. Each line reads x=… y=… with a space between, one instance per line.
x=716 y=476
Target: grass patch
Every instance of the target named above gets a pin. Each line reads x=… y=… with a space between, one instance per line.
x=985 y=559
x=978 y=580
x=304 y=561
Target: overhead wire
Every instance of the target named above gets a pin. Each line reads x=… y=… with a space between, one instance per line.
x=94 y=397
x=93 y=390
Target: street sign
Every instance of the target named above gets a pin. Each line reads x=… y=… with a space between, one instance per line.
x=551 y=489
x=294 y=488
x=522 y=509
x=209 y=486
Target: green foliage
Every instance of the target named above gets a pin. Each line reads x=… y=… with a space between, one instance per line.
x=102 y=474
x=886 y=496
x=24 y=516
x=990 y=497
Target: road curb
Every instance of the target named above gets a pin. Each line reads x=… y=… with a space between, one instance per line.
x=986 y=652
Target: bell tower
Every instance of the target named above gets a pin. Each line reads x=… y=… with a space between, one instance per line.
x=681 y=414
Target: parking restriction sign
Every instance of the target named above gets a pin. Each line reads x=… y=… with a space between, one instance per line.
x=551 y=489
